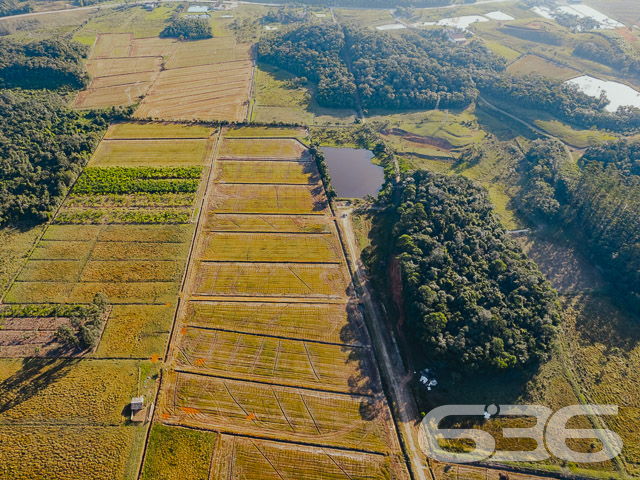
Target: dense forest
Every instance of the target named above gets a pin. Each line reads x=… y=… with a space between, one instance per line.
x=55 y=63
x=598 y=200
x=472 y=297
x=314 y=51
x=43 y=147
x=608 y=55
x=186 y=28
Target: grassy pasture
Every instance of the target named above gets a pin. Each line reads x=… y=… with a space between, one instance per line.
x=269 y=247
x=66 y=391
x=289 y=115
x=286 y=413
x=283 y=361
x=248 y=458
x=112 y=45
x=50 y=271
x=133 y=19
x=243 y=171
x=134 y=200
x=264 y=132
x=328 y=322
x=156 y=130
x=126 y=80
x=143 y=153
x=536 y=64
x=61 y=452
x=15 y=244
x=178 y=453
x=160 y=293
x=266 y=223
x=263 y=279
x=281 y=149
x=206 y=92
x=137 y=331
x=504 y=51
x=139 y=251
x=124 y=215
x=281 y=199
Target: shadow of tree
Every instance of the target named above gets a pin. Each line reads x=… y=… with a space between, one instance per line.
x=35 y=375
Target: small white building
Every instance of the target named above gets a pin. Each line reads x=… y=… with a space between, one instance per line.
x=198 y=9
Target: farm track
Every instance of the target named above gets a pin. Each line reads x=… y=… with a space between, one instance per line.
x=180 y=399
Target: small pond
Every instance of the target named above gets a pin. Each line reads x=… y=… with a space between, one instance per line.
x=352 y=173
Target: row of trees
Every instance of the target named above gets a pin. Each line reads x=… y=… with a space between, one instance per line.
x=472 y=297
x=52 y=63
x=599 y=200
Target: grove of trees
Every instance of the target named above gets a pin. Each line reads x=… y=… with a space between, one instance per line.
x=186 y=28
x=472 y=297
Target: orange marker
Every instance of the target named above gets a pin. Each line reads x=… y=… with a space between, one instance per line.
x=200 y=361
x=183 y=330
x=154 y=358
x=251 y=416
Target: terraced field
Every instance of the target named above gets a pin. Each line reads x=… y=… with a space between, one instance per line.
x=269 y=350
x=173 y=80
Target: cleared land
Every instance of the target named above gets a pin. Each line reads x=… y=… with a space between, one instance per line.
x=156 y=153
x=206 y=92
x=275 y=360
x=223 y=222
x=276 y=412
x=204 y=52
x=536 y=64
x=112 y=45
x=275 y=149
x=264 y=247
x=259 y=199
x=335 y=323
x=242 y=171
x=156 y=130
x=268 y=279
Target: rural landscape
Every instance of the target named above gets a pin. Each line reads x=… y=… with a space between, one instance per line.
x=256 y=241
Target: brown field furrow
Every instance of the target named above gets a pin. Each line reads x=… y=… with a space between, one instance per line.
x=332 y=419
x=298 y=224
x=261 y=199
x=112 y=45
x=121 y=80
x=300 y=363
x=265 y=149
x=152 y=46
x=120 y=66
x=111 y=96
x=248 y=171
x=337 y=323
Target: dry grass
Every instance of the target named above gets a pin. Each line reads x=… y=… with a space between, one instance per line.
x=14 y=248
x=535 y=64
x=66 y=391
x=259 y=199
x=213 y=50
x=119 y=95
x=69 y=452
x=155 y=130
x=293 y=280
x=283 y=361
x=285 y=413
x=139 y=251
x=112 y=45
x=280 y=149
x=267 y=223
x=137 y=331
x=122 y=66
x=156 y=153
x=314 y=322
x=178 y=453
x=39 y=292
x=293 y=173
x=250 y=458
x=124 y=81
x=207 y=92
x=270 y=247
x=132 y=271
x=120 y=233
x=50 y=271
x=265 y=132
x=153 y=46
x=159 y=293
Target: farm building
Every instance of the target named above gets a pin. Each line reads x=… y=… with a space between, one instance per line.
x=198 y=9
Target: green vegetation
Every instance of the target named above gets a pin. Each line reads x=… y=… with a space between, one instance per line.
x=598 y=199
x=151 y=180
x=186 y=28
x=472 y=298
x=45 y=64
x=86 y=325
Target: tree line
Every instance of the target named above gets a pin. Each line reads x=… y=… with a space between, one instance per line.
x=473 y=299
x=187 y=28
x=599 y=199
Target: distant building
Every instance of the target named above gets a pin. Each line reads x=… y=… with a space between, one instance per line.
x=456 y=37
x=150 y=6
x=198 y=9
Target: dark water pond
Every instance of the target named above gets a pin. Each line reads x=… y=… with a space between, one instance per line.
x=352 y=173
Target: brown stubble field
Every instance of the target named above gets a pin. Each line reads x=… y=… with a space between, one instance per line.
x=269 y=342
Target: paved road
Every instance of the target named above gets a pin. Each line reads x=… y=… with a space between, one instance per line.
x=405 y=408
